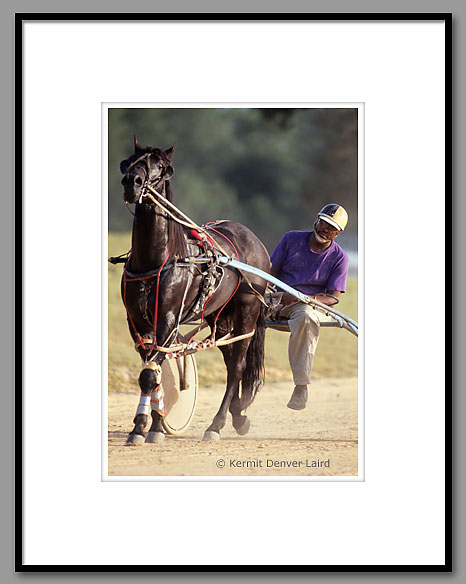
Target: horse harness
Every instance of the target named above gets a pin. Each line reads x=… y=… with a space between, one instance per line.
x=212 y=275
x=207 y=265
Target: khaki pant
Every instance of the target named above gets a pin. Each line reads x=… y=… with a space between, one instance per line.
x=304 y=322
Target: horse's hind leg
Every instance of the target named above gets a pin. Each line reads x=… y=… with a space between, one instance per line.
x=240 y=422
x=149 y=380
x=251 y=381
x=235 y=362
x=239 y=404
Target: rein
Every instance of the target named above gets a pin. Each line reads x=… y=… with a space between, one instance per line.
x=163 y=203
x=186 y=221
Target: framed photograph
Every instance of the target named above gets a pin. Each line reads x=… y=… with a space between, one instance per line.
x=263 y=211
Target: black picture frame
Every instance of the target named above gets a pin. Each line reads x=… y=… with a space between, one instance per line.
x=20 y=18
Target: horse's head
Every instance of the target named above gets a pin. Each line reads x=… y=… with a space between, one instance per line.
x=148 y=166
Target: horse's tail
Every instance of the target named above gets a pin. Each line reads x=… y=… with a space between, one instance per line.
x=253 y=376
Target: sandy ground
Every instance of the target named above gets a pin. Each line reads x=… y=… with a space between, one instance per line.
x=319 y=441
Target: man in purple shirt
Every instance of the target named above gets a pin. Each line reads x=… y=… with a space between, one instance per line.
x=313 y=263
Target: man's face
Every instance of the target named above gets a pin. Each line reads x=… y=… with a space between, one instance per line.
x=326 y=231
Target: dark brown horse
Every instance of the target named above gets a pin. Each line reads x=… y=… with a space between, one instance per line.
x=160 y=293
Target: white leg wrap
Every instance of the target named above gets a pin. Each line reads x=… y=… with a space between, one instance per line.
x=144 y=404
x=156 y=401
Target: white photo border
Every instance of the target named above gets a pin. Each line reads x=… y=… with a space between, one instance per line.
x=397 y=517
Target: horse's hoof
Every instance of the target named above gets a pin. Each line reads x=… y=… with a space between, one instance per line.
x=155 y=437
x=134 y=439
x=243 y=428
x=210 y=436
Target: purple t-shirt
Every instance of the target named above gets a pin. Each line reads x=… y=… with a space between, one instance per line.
x=308 y=271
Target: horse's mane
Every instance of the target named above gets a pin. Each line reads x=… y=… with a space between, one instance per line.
x=176 y=232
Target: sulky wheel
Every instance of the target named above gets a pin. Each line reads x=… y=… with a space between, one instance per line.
x=180 y=386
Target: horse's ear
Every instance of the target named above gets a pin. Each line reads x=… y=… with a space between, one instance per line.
x=137 y=146
x=169 y=152
x=123 y=166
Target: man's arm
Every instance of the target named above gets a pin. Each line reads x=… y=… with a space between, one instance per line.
x=328 y=300
x=289 y=298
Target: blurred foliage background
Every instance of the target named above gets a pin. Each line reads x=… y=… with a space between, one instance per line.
x=271 y=169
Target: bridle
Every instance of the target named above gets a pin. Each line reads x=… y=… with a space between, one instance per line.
x=148 y=181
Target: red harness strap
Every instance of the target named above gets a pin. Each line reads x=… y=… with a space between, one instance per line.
x=138 y=336
x=137 y=279
x=201 y=237
x=224 y=236
x=239 y=280
x=156 y=310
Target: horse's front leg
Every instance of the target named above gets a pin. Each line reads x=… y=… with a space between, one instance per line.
x=150 y=403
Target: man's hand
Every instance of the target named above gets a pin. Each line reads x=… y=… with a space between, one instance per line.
x=288 y=298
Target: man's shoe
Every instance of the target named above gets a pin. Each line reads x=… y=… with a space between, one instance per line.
x=298 y=398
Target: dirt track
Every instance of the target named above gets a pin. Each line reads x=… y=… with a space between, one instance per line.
x=321 y=440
